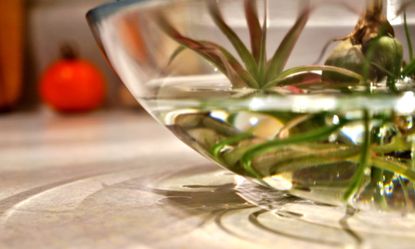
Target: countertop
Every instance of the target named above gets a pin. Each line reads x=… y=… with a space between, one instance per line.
x=120 y=180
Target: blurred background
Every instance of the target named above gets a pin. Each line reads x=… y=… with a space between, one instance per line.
x=32 y=35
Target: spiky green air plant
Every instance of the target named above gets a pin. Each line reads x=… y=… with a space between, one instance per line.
x=252 y=69
x=371 y=50
x=369 y=53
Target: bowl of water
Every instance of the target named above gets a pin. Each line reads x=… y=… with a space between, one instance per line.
x=313 y=98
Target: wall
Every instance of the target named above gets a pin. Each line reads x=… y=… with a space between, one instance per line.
x=50 y=23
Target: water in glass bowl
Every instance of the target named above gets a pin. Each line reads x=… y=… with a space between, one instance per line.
x=318 y=142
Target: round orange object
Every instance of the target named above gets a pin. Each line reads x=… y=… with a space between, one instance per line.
x=72 y=85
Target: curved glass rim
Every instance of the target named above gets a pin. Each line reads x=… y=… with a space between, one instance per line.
x=404 y=103
x=95 y=15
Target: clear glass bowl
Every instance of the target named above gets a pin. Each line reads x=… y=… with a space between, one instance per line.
x=336 y=129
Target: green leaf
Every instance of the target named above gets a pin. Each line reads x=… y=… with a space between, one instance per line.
x=326 y=47
x=314 y=135
x=321 y=158
x=280 y=58
x=215 y=54
x=393 y=166
x=254 y=27
x=398 y=144
x=409 y=69
x=289 y=72
x=239 y=46
x=358 y=177
x=263 y=52
x=217 y=148
x=233 y=69
x=176 y=53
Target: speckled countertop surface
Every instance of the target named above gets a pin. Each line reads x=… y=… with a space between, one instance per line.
x=120 y=180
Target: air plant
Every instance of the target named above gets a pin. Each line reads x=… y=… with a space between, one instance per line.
x=370 y=53
x=254 y=69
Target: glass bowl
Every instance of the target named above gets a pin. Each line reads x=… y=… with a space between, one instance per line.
x=314 y=98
